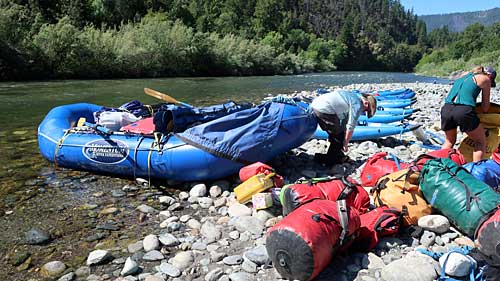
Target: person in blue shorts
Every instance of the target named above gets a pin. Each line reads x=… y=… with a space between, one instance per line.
x=337 y=113
x=459 y=108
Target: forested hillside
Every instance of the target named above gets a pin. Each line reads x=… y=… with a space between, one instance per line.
x=476 y=45
x=158 y=38
x=457 y=22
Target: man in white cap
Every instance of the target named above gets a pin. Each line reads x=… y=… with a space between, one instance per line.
x=337 y=113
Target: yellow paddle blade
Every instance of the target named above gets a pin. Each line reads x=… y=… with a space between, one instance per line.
x=161 y=96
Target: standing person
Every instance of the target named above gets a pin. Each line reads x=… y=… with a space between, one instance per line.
x=337 y=113
x=459 y=108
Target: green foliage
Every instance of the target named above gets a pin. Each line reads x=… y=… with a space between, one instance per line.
x=477 y=45
x=155 y=38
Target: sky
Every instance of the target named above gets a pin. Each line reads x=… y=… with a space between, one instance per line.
x=432 y=7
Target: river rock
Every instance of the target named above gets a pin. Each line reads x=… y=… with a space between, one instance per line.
x=257 y=255
x=239 y=210
x=135 y=247
x=67 y=277
x=150 y=243
x=143 y=208
x=153 y=255
x=241 y=276
x=214 y=275
x=457 y=265
x=415 y=268
x=130 y=267
x=37 y=237
x=182 y=260
x=169 y=269
x=168 y=240
x=233 y=260
x=97 y=257
x=53 y=269
x=435 y=223
x=211 y=232
x=251 y=224
x=198 y=190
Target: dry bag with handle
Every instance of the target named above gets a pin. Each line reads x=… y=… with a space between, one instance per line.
x=260 y=168
x=400 y=190
x=379 y=222
x=380 y=164
x=304 y=242
x=488 y=237
x=330 y=188
x=454 y=154
x=458 y=195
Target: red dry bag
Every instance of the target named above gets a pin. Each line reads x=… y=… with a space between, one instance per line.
x=379 y=165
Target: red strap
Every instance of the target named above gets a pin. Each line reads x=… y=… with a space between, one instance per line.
x=496 y=156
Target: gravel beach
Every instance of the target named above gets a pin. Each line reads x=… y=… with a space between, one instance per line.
x=122 y=229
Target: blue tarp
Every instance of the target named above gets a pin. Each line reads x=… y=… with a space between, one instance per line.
x=240 y=136
x=184 y=117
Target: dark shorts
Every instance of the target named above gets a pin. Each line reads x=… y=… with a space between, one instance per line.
x=330 y=123
x=458 y=115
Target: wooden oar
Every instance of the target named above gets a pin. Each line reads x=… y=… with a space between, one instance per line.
x=164 y=97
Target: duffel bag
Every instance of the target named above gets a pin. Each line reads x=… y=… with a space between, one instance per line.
x=304 y=242
x=458 y=195
x=329 y=188
x=379 y=222
x=487 y=171
x=379 y=165
x=400 y=190
x=451 y=153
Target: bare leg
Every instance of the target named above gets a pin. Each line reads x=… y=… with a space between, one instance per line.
x=451 y=138
x=479 y=138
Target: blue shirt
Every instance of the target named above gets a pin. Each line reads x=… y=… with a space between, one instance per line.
x=348 y=106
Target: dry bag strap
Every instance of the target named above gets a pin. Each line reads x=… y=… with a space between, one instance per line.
x=344 y=219
x=468 y=194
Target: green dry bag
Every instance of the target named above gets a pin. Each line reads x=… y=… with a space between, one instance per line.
x=457 y=194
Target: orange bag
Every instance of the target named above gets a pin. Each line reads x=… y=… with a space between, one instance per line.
x=400 y=190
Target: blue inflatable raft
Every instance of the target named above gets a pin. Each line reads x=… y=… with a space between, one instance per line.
x=208 y=151
x=371 y=131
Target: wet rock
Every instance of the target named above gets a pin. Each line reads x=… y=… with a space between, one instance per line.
x=37 y=237
x=53 y=269
x=135 y=247
x=19 y=257
x=118 y=193
x=143 y=208
x=98 y=256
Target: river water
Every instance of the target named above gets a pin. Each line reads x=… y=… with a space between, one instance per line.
x=24 y=104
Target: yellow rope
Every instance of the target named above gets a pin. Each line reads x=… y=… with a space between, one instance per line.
x=58 y=145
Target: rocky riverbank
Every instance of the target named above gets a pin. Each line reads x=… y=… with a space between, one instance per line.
x=71 y=225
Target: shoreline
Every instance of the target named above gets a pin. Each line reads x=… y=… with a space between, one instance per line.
x=208 y=233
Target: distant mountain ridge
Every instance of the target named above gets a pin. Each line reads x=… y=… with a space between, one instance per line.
x=457 y=22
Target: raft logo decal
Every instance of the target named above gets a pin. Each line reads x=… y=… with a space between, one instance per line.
x=106 y=152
